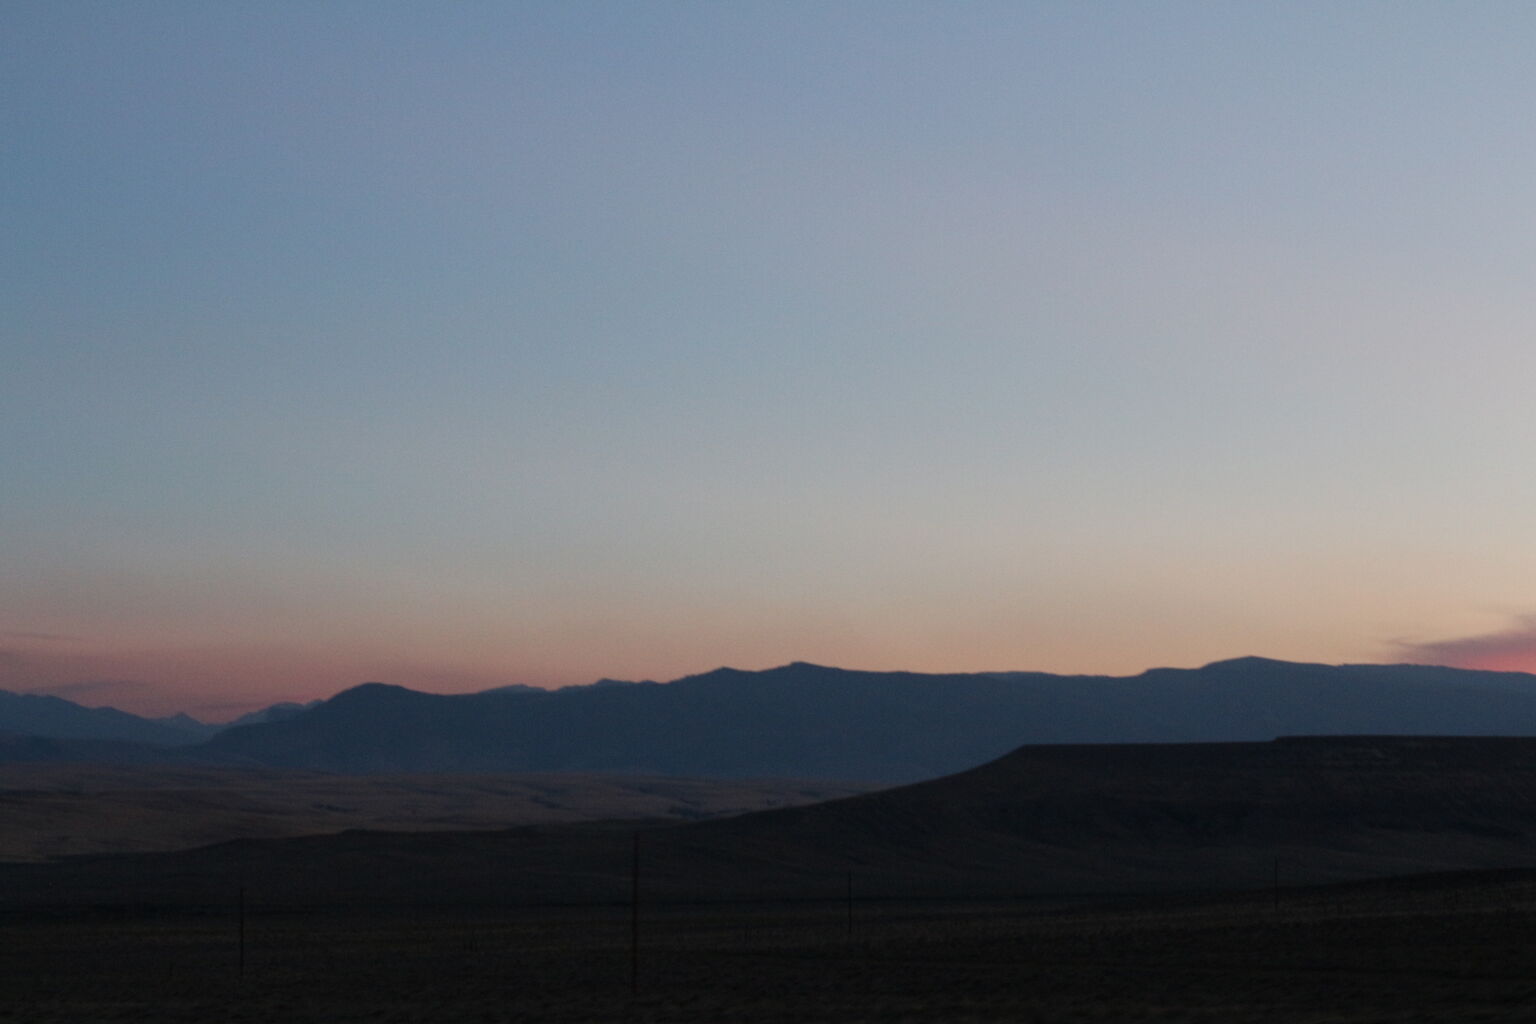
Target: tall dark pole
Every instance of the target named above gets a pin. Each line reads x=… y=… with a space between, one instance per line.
x=634 y=917
x=850 y=904
x=240 y=919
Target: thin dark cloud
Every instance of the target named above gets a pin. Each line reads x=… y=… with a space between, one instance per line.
x=1511 y=649
x=25 y=634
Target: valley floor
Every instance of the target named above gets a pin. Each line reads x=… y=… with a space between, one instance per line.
x=1461 y=948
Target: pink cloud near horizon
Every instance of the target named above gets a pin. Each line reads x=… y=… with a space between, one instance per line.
x=1506 y=650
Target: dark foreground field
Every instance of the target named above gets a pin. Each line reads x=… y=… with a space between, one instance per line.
x=1243 y=874
x=1446 y=948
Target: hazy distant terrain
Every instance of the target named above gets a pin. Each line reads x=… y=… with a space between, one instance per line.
x=809 y=721
x=51 y=810
x=30 y=714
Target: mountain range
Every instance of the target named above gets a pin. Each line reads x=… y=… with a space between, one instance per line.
x=798 y=720
x=26 y=718
x=32 y=714
x=810 y=721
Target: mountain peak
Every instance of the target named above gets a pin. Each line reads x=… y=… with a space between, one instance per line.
x=372 y=691
x=1251 y=662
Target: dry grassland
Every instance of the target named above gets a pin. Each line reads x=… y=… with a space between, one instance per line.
x=52 y=810
x=1458 y=950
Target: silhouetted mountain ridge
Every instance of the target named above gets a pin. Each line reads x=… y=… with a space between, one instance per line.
x=271 y=713
x=32 y=714
x=807 y=720
x=42 y=727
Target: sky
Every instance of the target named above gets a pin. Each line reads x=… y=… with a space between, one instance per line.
x=463 y=345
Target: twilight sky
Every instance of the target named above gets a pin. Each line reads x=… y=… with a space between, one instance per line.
x=470 y=344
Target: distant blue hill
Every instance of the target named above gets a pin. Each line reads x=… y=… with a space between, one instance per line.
x=272 y=713
x=38 y=727
x=30 y=714
x=805 y=720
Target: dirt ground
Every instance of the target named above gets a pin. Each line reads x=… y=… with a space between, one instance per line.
x=1457 y=952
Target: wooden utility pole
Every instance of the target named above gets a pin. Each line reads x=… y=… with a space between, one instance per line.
x=634 y=917
x=850 y=904
x=240 y=928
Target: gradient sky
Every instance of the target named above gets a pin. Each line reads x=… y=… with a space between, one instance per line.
x=470 y=344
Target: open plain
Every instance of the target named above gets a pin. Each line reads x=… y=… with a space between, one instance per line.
x=1436 y=948
x=1343 y=880
x=61 y=810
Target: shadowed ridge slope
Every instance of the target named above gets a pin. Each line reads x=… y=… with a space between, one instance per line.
x=1104 y=817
